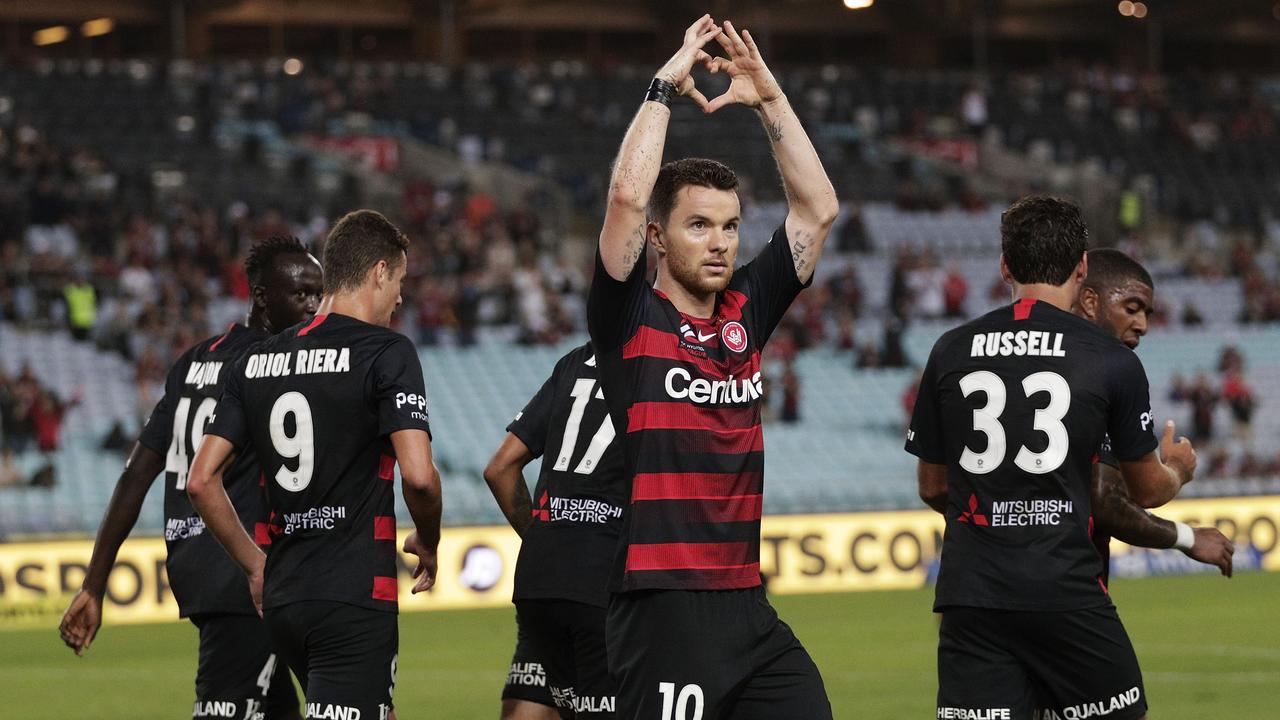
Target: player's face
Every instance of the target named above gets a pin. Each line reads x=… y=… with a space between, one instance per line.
x=699 y=242
x=1125 y=311
x=293 y=292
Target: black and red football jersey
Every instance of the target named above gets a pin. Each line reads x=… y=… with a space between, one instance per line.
x=318 y=403
x=1016 y=404
x=685 y=395
x=204 y=579
x=581 y=493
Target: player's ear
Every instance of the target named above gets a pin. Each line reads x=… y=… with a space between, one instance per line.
x=656 y=238
x=381 y=273
x=1082 y=269
x=258 y=294
x=1005 y=275
x=1089 y=302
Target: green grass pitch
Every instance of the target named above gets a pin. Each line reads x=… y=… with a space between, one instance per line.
x=1210 y=648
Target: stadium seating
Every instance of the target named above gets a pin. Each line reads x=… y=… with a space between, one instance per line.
x=844 y=454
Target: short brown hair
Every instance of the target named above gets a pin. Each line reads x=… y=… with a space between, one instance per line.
x=681 y=173
x=1043 y=238
x=355 y=244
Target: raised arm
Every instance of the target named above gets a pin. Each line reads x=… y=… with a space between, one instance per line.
x=84 y=616
x=622 y=240
x=420 y=481
x=811 y=200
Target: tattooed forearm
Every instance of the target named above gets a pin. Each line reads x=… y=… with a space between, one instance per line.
x=635 y=247
x=1122 y=518
x=774 y=129
x=522 y=510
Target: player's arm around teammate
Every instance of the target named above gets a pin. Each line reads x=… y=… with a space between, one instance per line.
x=1119 y=515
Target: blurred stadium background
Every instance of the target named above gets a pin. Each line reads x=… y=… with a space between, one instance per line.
x=146 y=144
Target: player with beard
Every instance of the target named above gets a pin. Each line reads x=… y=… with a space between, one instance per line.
x=237 y=673
x=689 y=630
x=1011 y=409
x=1118 y=296
x=330 y=408
x=567 y=542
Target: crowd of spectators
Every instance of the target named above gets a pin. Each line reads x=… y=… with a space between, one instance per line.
x=31 y=418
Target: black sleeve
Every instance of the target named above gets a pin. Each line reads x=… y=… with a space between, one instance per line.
x=1105 y=456
x=157 y=434
x=229 y=419
x=1130 y=423
x=924 y=436
x=398 y=388
x=615 y=308
x=532 y=424
x=772 y=285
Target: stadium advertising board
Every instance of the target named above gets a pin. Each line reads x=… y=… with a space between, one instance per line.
x=798 y=553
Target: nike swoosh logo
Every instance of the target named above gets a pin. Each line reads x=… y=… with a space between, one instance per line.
x=704 y=338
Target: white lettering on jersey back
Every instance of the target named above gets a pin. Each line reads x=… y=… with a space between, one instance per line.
x=1037 y=343
x=681 y=386
x=322 y=360
x=201 y=374
x=298 y=362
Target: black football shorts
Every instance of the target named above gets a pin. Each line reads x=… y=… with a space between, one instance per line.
x=1020 y=665
x=344 y=656
x=527 y=676
x=569 y=637
x=710 y=654
x=239 y=675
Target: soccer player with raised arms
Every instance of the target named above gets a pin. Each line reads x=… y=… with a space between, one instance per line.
x=690 y=633
x=1011 y=410
x=331 y=407
x=238 y=673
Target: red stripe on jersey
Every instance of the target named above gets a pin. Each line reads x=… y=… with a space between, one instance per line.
x=315 y=322
x=683 y=416
x=218 y=342
x=648 y=342
x=1022 y=310
x=386 y=588
x=732 y=508
x=689 y=556
x=262 y=533
x=386 y=468
x=690 y=485
x=384 y=527
x=1105 y=591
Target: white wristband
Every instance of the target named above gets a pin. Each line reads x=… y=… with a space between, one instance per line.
x=1186 y=536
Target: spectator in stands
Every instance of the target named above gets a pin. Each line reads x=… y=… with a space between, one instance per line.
x=10 y=475
x=1203 y=399
x=790 y=393
x=1240 y=400
x=955 y=290
x=927 y=283
x=82 y=306
x=846 y=291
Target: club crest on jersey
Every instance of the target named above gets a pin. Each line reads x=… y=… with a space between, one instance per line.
x=734 y=336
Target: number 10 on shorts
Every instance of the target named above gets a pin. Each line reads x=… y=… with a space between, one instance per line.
x=680 y=703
